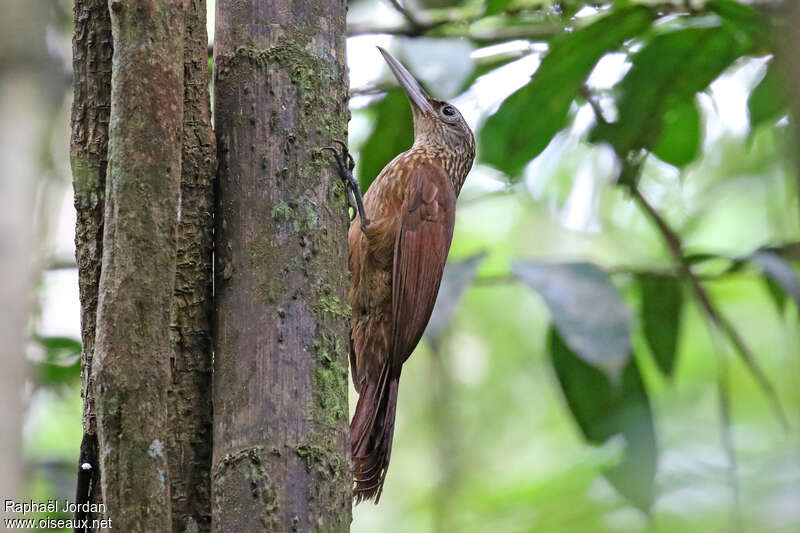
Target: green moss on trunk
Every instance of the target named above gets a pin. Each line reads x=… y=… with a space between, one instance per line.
x=131 y=366
x=282 y=332
x=92 y=50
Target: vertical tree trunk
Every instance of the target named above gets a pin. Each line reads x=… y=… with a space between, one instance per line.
x=189 y=448
x=132 y=347
x=24 y=96
x=281 y=459
x=92 y=50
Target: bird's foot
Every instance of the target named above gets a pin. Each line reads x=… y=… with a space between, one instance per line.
x=346 y=165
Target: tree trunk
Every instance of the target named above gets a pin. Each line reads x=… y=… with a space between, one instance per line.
x=131 y=364
x=281 y=459
x=92 y=50
x=26 y=105
x=189 y=439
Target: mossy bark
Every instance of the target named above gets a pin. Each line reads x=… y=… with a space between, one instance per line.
x=281 y=458
x=92 y=50
x=189 y=449
x=131 y=364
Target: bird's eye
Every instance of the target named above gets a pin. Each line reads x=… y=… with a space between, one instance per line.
x=448 y=111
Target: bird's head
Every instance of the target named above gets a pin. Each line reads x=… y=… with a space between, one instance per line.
x=436 y=123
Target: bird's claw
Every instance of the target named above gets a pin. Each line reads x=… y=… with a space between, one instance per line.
x=343 y=158
x=346 y=164
x=351 y=163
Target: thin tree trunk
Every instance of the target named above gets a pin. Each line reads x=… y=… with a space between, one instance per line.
x=131 y=364
x=24 y=108
x=190 y=394
x=281 y=459
x=92 y=50
x=16 y=205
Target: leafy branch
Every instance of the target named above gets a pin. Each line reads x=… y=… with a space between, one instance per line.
x=460 y=22
x=415 y=24
x=463 y=29
x=657 y=113
x=790 y=250
x=717 y=318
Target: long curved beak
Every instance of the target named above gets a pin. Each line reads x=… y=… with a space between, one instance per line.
x=411 y=86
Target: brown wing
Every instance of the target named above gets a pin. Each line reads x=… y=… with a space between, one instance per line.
x=423 y=240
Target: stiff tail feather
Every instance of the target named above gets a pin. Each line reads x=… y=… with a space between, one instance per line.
x=371 y=432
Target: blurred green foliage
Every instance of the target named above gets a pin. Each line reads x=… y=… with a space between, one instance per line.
x=393 y=128
x=637 y=359
x=770 y=98
x=543 y=104
x=660 y=314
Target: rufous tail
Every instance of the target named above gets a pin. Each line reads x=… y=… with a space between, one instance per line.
x=371 y=433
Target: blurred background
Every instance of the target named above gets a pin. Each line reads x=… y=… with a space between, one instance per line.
x=491 y=435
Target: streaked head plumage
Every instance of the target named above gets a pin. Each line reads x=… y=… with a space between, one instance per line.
x=438 y=125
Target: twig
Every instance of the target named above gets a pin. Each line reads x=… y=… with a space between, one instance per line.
x=408 y=15
x=60 y=264
x=504 y=279
x=725 y=326
x=595 y=105
x=371 y=89
x=462 y=29
x=416 y=27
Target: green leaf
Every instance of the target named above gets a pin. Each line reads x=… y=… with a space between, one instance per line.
x=776 y=293
x=493 y=7
x=51 y=374
x=393 y=133
x=631 y=168
x=680 y=138
x=59 y=349
x=457 y=276
x=780 y=271
x=528 y=119
x=62 y=361
x=666 y=74
x=744 y=18
x=586 y=310
x=603 y=409
x=770 y=99
x=662 y=302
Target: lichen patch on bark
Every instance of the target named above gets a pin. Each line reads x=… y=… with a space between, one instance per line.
x=282 y=331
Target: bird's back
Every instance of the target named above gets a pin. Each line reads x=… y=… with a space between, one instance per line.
x=397 y=262
x=371 y=260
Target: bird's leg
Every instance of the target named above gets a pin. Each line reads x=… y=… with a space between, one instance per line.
x=346 y=164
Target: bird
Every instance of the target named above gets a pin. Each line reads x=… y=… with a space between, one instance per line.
x=399 y=239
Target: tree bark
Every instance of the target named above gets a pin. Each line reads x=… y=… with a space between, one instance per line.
x=92 y=50
x=190 y=393
x=131 y=364
x=281 y=458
